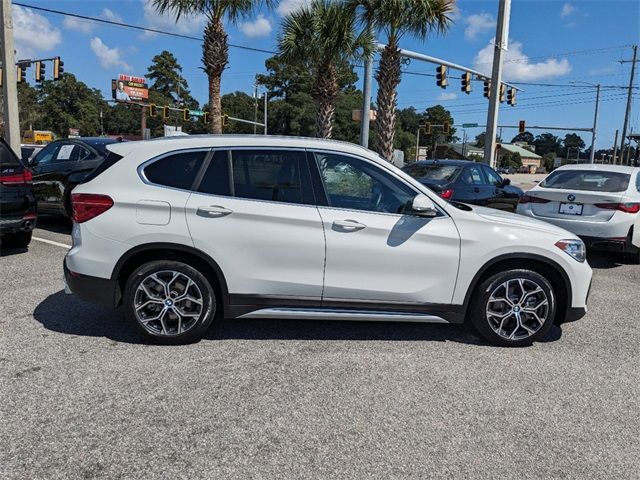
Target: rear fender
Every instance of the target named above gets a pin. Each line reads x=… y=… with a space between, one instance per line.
x=635 y=239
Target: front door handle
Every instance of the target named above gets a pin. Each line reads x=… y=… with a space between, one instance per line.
x=213 y=211
x=348 y=225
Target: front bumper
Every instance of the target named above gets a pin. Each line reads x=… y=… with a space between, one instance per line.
x=101 y=291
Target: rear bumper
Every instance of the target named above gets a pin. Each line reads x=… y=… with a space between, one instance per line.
x=101 y=291
x=17 y=224
x=621 y=245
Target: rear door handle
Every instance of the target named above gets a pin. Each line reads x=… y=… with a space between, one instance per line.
x=348 y=225
x=213 y=211
x=476 y=189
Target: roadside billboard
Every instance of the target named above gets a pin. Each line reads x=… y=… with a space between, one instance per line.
x=127 y=88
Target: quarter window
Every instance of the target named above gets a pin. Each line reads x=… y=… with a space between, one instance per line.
x=355 y=184
x=178 y=170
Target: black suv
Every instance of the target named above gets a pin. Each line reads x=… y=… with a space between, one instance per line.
x=466 y=182
x=17 y=202
x=62 y=165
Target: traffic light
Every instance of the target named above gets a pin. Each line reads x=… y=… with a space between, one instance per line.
x=152 y=110
x=511 y=96
x=58 y=68
x=225 y=120
x=21 y=74
x=487 y=88
x=466 y=83
x=521 y=126
x=427 y=128
x=40 y=71
x=205 y=118
x=445 y=128
x=185 y=114
x=441 y=76
x=503 y=89
x=165 y=112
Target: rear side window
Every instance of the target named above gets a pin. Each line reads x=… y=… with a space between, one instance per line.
x=177 y=170
x=216 y=179
x=112 y=159
x=7 y=157
x=472 y=176
x=273 y=175
x=591 y=180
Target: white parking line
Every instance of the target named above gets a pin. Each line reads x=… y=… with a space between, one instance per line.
x=51 y=242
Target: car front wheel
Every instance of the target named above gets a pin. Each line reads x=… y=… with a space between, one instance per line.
x=169 y=302
x=514 y=308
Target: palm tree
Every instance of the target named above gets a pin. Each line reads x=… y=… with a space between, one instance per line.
x=215 y=48
x=322 y=36
x=395 y=19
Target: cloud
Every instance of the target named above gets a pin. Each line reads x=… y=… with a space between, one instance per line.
x=33 y=33
x=567 y=10
x=478 y=24
x=108 y=57
x=108 y=14
x=78 y=24
x=261 y=27
x=187 y=24
x=517 y=66
x=447 y=96
x=286 y=7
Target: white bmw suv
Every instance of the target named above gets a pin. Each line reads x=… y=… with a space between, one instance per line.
x=179 y=231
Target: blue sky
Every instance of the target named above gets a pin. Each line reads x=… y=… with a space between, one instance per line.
x=554 y=42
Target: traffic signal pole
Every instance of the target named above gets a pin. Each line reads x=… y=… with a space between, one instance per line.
x=501 y=42
x=9 y=86
x=592 y=154
x=628 y=108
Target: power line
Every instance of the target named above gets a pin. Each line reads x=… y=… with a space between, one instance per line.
x=136 y=27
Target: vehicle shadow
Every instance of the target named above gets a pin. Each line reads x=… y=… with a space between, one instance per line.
x=605 y=261
x=67 y=314
x=54 y=224
x=6 y=251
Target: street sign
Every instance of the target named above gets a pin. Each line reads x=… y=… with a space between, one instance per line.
x=196 y=113
x=469 y=125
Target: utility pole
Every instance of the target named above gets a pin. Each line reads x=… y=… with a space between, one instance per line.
x=418 y=141
x=595 y=125
x=628 y=109
x=615 y=148
x=501 y=43
x=9 y=85
x=266 y=95
x=366 y=100
x=255 y=107
x=143 y=121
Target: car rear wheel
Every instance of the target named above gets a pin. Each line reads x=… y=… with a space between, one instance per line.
x=514 y=308
x=169 y=302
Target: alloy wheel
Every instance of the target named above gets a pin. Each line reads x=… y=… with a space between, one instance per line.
x=168 y=303
x=517 y=309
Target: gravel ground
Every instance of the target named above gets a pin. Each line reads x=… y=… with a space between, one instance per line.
x=82 y=397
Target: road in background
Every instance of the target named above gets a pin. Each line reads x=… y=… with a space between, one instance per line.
x=81 y=396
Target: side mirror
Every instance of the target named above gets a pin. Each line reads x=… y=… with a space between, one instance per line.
x=423 y=206
x=506 y=181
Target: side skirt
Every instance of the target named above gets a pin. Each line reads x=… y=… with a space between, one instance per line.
x=336 y=314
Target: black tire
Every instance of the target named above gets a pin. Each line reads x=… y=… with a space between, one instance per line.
x=132 y=295
x=482 y=321
x=18 y=239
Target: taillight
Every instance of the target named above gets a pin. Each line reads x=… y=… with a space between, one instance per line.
x=446 y=194
x=17 y=178
x=86 y=206
x=531 y=199
x=623 y=207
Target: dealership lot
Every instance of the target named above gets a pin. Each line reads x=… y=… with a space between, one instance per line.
x=82 y=396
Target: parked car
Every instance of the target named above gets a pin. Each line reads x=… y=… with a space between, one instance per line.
x=17 y=202
x=599 y=203
x=181 y=230
x=62 y=165
x=467 y=182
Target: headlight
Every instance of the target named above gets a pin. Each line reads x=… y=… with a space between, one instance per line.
x=573 y=247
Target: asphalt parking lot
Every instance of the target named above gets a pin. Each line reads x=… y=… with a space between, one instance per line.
x=81 y=396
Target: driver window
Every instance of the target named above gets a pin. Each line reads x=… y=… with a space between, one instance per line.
x=358 y=185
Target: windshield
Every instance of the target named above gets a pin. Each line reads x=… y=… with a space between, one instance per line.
x=434 y=172
x=592 y=180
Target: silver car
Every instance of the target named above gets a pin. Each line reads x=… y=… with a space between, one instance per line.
x=599 y=203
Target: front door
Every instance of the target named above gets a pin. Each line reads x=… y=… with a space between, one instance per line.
x=253 y=212
x=376 y=253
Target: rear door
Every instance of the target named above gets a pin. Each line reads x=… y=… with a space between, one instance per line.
x=472 y=187
x=16 y=196
x=500 y=198
x=48 y=171
x=254 y=213
x=580 y=194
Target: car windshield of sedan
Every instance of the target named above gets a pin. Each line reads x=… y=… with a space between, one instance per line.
x=592 y=180
x=435 y=172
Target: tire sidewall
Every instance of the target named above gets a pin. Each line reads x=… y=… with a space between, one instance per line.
x=485 y=289
x=208 y=294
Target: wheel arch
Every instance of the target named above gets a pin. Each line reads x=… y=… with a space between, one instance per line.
x=542 y=265
x=141 y=254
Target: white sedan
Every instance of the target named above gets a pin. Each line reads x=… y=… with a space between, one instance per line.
x=599 y=203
